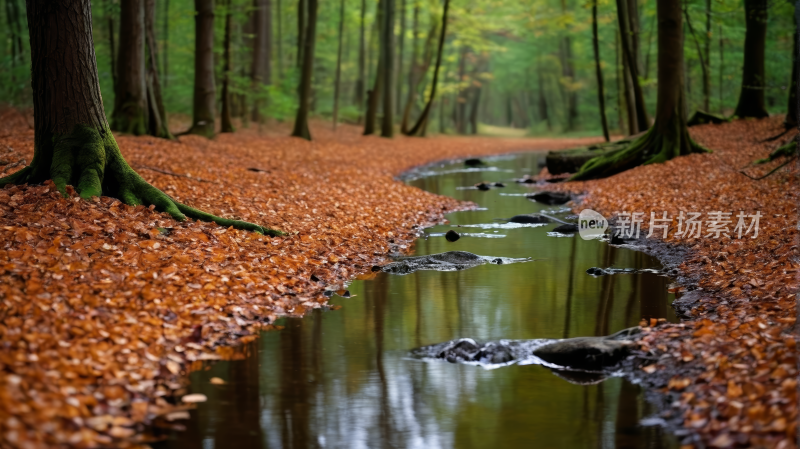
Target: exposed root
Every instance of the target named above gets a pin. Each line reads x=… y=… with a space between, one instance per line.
x=91 y=161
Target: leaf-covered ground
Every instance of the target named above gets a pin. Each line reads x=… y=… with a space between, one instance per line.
x=105 y=308
x=733 y=366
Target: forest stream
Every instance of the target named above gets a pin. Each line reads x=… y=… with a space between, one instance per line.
x=345 y=378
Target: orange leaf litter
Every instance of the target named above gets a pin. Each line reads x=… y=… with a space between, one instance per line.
x=104 y=314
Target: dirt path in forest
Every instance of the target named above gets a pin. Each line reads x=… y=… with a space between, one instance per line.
x=730 y=372
x=106 y=308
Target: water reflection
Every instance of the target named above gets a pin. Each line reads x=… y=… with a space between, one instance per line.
x=343 y=379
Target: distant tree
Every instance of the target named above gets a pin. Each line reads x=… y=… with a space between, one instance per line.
x=225 y=115
x=422 y=122
x=338 y=77
x=130 y=101
x=387 y=51
x=260 y=70
x=304 y=89
x=601 y=96
x=73 y=143
x=568 y=72
x=400 y=47
x=203 y=109
x=374 y=95
x=751 y=97
x=157 y=123
x=362 y=60
x=627 y=17
x=669 y=136
x=791 y=111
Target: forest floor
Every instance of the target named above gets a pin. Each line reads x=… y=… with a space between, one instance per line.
x=106 y=308
x=733 y=366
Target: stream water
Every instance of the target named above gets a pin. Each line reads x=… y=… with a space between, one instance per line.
x=343 y=378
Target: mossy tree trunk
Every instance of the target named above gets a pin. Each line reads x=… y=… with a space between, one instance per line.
x=73 y=144
x=751 y=97
x=130 y=98
x=304 y=90
x=669 y=136
x=205 y=92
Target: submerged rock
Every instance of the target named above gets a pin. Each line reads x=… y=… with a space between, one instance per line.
x=452 y=236
x=569 y=228
x=550 y=198
x=529 y=218
x=449 y=261
x=589 y=353
x=473 y=162
x=482 y=186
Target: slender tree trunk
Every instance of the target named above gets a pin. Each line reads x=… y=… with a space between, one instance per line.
x=704 y=63
x=205 y=92
x=166 y=42
x=387 y=50
x=400 y=48
x=630 y=95
x=227 y=124
x=304 y=91
x=791 y=112
x=259 y=68
x=620 y=72
x=373 y=96
x=15 y=31
x=630 y=63
x=130 y=101
x=751 y=97
x=601 y=98
x=543 y=112
x=416 y=73
x=279 y=43
x=157 y=114
x=362 y=60
x=568 y=72
x=460 y=106
x=707 y=66
x=419 y=128
x=301 y=30
x=337 y=81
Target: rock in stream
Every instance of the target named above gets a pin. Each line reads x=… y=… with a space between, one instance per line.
x=449 y=261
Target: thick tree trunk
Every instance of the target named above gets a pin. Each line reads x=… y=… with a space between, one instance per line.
x=387 y=51
x=157 y=124
x=304 y=91
x=73 y=143
x=419 y=127
x=791 y=112
x=362 y=60
x=225 y=116
x=669 y=136
x=751 y=98
x=601 y=97
x=130 y=100
x=205 y=92
x=338 y=75
x=629 y=43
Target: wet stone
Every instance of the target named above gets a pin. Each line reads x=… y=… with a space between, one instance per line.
x=449 y=261
x=452 y=236
x=550 y=198
x=529 y=218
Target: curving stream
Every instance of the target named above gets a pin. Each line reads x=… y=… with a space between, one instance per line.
x=345 y=378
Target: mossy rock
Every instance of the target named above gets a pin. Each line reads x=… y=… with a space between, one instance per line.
x=704 y=118
x=570 y=161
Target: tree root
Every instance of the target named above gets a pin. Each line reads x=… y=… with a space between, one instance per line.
x=91 y=161
x=649 y=148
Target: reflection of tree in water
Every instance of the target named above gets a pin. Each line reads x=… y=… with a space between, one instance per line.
x=294 y=394
x=379 y=304
x=241 y=422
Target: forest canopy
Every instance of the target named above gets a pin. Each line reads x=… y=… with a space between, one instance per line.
x=527 y=65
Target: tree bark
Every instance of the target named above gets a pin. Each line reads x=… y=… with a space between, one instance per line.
x=630 y=58
x=751 y=97
x=279 y=43
x=601 y=98
x=73 y=143
x=225 y=116
x=130 y=101
x=338 y=75
x=304 y=91
x=387 y=54
x=419 y=127
x=112 y=47
x=203 y=110
x=669 y=136
x=301 y=31
x=400 y=48
x=157 y=124
x=260 y=64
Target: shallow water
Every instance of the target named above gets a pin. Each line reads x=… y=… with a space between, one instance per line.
x=343 y=378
